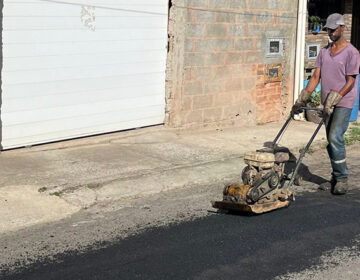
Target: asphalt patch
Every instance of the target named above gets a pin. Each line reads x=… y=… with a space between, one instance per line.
x=219 y=246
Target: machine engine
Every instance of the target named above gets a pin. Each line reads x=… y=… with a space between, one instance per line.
x=264 y=172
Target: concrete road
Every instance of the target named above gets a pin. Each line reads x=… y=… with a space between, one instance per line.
x=172 y=235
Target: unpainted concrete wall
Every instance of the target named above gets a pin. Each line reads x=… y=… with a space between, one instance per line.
x=217 y=61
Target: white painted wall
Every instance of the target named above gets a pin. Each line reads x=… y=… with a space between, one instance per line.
x=300 y=48
x=72 y=70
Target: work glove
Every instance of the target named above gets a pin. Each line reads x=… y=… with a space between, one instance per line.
x=304 y=96
x=333 y=99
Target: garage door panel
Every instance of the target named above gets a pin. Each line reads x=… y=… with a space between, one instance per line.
x=21 y=77
x=61 y=100
x=51 y=126
x=79 y=132
x=75 y=48
x=72 y=111
x=63 y=77
x=116 y=83
x=47 y=36
x=45 y=23
x=73 y=8
x=80 y=60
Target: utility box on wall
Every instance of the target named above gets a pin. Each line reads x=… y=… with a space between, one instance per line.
x=273 y=73
x=312 y=51
x=274 y=47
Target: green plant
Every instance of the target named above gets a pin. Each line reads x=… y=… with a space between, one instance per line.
x=91 y=186
x=316 y=98
x=57 y=193
x=315 y=19
x=310 y=151
x=315 y=22
x=43 y=189
x=325 y=144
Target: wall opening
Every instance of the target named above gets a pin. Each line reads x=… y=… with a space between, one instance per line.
x=1 y=66
x=319 y=10
x=355 y=36
x=169 y=39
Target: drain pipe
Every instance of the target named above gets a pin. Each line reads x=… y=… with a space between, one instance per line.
x=300 y=48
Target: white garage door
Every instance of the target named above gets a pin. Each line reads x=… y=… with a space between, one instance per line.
x=81 y=67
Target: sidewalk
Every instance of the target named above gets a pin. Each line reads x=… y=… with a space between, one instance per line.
x=49 y=182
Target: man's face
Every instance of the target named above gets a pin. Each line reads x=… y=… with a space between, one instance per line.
x=335 y=34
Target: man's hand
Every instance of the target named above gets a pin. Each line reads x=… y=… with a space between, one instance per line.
x=304 y=96
x=296 y=109
x=333 y=99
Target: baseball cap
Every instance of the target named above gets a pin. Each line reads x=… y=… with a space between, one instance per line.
x=334 y=20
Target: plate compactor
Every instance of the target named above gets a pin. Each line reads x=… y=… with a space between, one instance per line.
x=264 y=179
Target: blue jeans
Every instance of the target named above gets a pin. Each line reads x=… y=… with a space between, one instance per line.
x=336 y=126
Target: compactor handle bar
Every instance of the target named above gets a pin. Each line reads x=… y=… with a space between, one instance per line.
x=286 y=124
x=303 y=152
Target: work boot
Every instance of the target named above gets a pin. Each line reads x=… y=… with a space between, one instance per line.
x=328 y=185
x=340 y=187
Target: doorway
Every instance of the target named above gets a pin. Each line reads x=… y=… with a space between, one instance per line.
x=355 y=34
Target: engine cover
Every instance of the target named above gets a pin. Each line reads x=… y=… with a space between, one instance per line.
x=261 y=160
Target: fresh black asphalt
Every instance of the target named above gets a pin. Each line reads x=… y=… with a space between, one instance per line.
x=220 y=246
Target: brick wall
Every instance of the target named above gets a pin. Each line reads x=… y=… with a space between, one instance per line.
x=217 y=61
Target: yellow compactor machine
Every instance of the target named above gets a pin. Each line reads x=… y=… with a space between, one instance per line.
x=265 y=184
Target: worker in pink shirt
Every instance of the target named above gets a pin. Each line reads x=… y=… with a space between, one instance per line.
x=337 y=65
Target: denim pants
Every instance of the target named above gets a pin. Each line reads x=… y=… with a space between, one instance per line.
x=336 y=126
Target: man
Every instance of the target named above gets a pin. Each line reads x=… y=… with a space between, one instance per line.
x=337 y=66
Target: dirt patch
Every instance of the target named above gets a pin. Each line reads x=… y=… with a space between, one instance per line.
x=23 y=206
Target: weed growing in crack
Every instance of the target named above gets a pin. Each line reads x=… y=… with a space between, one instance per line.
x=43 y=189
x=91 y=186
x=58 y=194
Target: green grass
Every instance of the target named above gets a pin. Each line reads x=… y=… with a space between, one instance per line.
x=91 y=186
x=57 y=194
x=43 y=189
x=353 y=134
x=310 y=151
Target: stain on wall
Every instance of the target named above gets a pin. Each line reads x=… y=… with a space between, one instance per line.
x=88 y=17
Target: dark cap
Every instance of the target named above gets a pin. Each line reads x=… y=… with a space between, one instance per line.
x=334 y=21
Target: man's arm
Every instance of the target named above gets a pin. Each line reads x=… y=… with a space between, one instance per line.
x=334 y=97
x=314 y=81
x=349 y=85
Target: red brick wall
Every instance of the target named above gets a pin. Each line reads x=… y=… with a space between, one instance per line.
x=268 y=98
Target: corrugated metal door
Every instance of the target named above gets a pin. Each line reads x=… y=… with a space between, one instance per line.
x=76 y=68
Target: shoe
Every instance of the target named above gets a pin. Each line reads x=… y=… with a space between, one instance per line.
x=328 y=185
x=340 y=188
